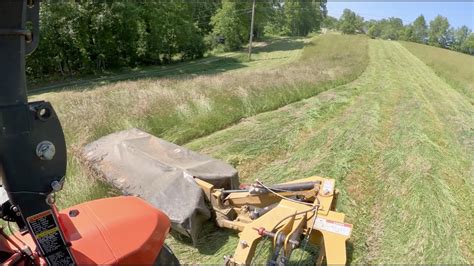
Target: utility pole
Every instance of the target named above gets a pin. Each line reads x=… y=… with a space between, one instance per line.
x=251 y=30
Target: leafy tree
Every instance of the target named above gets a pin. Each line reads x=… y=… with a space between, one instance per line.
x=368 y=24
x=276 y=24
x=201 y=13
x=124 y=19
x=468 y=45
x=460 y=36
x=329 y=22
x=391 y=28
x=303 y=16
x=350 y=22
x=408 y=34
x=439 y=32
x=420 y=30
x=296 y=17
x=264 y=11
x=87 y=37
x=228 y=24
x=64 y=46
x=374 y=31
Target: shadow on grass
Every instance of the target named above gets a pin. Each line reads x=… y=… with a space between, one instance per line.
x=350 y=252
x=211 y=238
x=286 y=44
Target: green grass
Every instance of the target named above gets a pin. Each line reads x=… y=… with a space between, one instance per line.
x=399 y=142
x=267 y=54
x=455 y=68
x=183 y=107
x=398 y=138
x=196 y=99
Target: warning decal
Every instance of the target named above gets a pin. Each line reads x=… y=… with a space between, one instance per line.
x=49 y=238
x=333 y=227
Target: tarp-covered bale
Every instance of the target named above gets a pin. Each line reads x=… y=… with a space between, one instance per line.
x=161 y=173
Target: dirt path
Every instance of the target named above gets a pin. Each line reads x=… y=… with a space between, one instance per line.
x=399 y=143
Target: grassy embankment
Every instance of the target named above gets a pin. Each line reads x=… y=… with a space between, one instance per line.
x=399 y=142
x=457 y=69
x=212 y=95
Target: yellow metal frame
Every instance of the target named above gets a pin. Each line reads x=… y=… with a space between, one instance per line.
x=288 y=219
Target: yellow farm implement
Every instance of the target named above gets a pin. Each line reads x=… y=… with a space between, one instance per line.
x=290 y=214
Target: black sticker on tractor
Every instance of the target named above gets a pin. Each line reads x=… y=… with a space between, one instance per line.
x=49 y=238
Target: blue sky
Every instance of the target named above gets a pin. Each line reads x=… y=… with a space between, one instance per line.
x=458 y=13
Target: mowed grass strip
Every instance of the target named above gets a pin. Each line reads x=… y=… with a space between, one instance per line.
x=455 y=68
x=399 y=142
x=183 y=107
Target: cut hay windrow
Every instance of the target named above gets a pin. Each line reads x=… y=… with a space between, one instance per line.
x=395 y=139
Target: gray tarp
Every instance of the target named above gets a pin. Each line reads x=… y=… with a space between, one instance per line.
x=161 y=173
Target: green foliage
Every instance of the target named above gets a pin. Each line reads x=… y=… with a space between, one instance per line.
x=296 y=17
x=392 y=28
x=264 y=12
x=80 y=37
x=408 y=34
x=439 y=32
x=276 y=22
x=329 y=23
x=374 y=31
x=202 y=11
x=302 y=16
x=229 y=24
x=420 y=30
x=350 y=22
x=461 y=36
x=468 y=45
x=388 y=29
x=89 y=37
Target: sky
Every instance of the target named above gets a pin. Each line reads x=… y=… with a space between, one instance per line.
x=458 y=13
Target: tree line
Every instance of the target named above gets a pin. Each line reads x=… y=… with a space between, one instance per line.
x=84 y=37
x=437 y=32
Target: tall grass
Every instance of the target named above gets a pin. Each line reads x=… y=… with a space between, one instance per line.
x=456 y=68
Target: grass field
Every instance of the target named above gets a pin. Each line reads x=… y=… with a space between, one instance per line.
x=399 y=142
x=457 y=69
x=266 y=55
x=396 y=136
x=208 y=98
